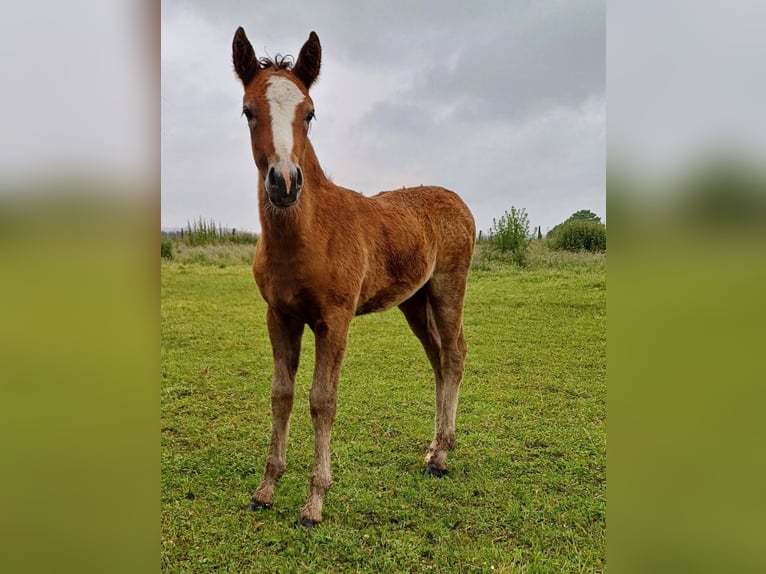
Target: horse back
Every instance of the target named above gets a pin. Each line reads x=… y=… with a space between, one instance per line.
x=439 y=216
x=416 y=232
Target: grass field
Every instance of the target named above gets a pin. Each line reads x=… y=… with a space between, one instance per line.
x=526 y=489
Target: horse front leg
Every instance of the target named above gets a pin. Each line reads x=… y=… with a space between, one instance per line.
x=331 y=336
x=285 y=335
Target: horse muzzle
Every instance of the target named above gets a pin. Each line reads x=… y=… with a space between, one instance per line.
x=284 y=181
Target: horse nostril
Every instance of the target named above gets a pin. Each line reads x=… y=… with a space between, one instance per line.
x=271 y=177
x=299 y=178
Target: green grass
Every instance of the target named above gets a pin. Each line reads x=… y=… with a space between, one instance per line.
x=526 y=486
x=538 y=256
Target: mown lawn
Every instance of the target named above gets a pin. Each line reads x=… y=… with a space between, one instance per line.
x=526 y=489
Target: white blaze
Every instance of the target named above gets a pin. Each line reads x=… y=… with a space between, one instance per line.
x=283 y=96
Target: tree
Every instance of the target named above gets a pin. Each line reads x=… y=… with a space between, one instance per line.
x=584 y=215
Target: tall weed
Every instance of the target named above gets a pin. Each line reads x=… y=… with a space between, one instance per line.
x=207 y=232
x=508 y=235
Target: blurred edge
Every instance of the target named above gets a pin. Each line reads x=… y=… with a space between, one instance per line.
x=79 y=349
x=686 y=204
x=686 y=366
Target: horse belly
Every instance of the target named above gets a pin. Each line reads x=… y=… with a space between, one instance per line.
x=384 y=299
x=399 y=281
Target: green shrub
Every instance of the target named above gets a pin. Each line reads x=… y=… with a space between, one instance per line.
x=166 y=248
x=582 y=215
x=508 y=234
x=580 y=235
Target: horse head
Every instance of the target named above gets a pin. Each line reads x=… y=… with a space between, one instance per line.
x=278 y=110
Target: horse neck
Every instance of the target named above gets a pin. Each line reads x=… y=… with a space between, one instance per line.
x=314 y=177
x=294 y=224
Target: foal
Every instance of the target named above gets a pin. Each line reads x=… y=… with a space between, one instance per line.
x=327 y=253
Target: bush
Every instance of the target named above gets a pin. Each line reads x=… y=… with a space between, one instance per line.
x=582 y=215
x=166 y=248
x=580 y=235
x=509 y=234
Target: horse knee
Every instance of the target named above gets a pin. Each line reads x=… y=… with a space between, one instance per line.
x=323 y=404
x=282 y=394
x=282 y=399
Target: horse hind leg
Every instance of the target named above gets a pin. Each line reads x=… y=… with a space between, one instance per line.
x=420 y=317
x=446 y=295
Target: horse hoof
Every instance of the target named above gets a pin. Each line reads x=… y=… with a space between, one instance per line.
x=308 y=523
x=433 y=471
x=257 y=505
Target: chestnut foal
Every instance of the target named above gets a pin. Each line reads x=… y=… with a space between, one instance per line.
x=327 y=253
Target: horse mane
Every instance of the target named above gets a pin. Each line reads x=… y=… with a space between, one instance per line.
x=279 y=62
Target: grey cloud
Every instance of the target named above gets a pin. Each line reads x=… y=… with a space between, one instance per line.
x=521 y=68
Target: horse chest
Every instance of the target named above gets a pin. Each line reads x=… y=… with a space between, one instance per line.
x=293 y=289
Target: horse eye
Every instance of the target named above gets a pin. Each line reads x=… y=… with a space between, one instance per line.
x=247 y=113
x=310 y=116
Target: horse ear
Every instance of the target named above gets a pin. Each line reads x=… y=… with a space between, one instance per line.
x=309 y=61
x=245 y=63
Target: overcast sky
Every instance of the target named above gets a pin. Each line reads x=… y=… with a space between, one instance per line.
x=686 y=78
x=502 y=102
